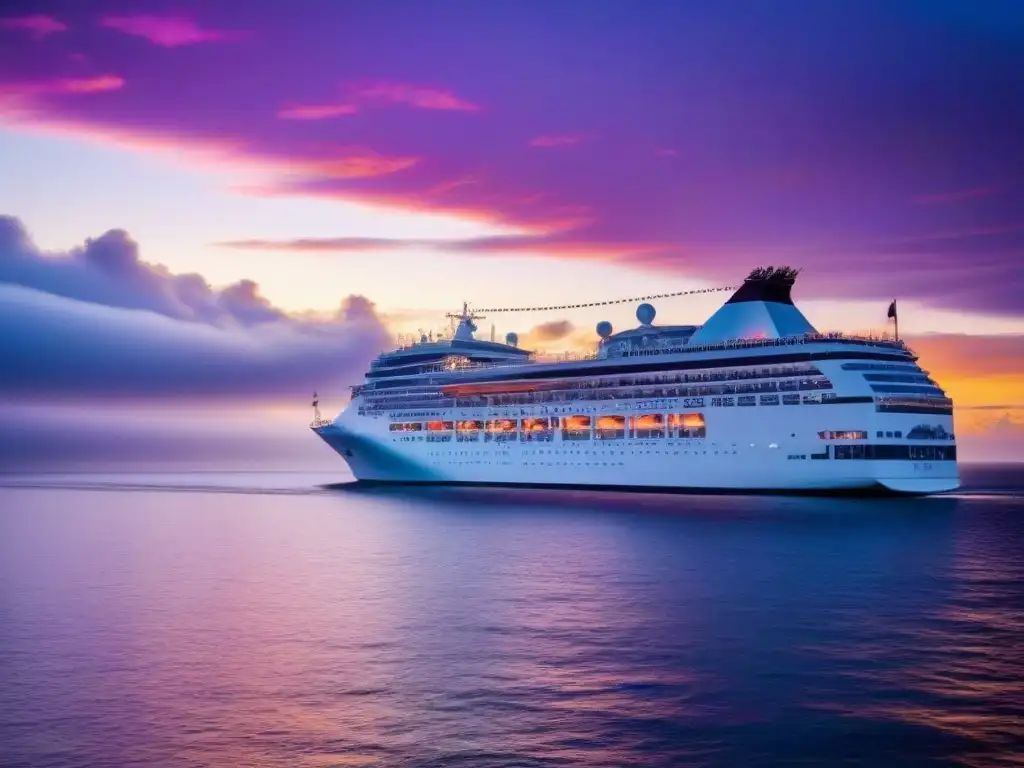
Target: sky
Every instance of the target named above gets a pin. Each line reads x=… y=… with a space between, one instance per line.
x=215 y=207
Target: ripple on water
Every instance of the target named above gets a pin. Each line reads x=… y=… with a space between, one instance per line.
x=238 y=620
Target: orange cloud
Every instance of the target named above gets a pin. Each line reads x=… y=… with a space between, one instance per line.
x=37 y=25
x=553 y=330
x=564 y=140
x=227 y=154
x=353 y=163
x=558 y=336
x=983 y=374
x=492 y=209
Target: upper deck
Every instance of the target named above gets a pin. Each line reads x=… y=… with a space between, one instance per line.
x=758 y=325
x=639 y=359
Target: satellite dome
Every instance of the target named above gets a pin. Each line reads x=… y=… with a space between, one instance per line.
x=512 y=339
x=604 y=329
x=645 y=314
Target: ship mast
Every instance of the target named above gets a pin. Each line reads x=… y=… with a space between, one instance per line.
x=465 y=328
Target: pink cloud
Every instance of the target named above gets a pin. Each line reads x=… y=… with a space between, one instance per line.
x=665 y=152
x=442 y=188
x=562 y=140
x=561 y=245
x=956 y=196
x=38 y=25
x=166 y=31
x=410 y=95
x=21 y=98
x=316 y=111
x=334 y=164
x=89 y=84
x=360 y=96
x=352 y=163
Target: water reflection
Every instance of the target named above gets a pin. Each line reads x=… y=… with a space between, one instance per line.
x=951 y=667
x=438 y=626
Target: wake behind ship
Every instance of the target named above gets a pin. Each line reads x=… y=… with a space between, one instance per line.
x=755 y=399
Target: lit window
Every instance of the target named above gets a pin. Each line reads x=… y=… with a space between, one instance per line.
x=845 y=435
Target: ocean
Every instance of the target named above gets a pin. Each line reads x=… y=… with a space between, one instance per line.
x=283 y=619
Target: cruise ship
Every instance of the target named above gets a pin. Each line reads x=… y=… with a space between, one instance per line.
x=753 y=400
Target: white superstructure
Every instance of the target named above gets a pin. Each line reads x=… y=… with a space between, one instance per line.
x=755 y=399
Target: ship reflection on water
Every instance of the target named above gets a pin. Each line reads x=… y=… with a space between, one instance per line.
x=261 y=620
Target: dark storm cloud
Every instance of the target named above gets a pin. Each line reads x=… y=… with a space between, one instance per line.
x=98 y=321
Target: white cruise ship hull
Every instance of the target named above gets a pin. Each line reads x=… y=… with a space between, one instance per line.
x=744 y=451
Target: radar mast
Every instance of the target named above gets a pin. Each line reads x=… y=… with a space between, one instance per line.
x=465 y=328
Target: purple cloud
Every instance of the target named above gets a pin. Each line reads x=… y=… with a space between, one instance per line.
x=358 y=97
x=100 y=322
x=166 y=31
x=840 y=138
x=556 y=140
x=27 y=93
x=37 y=25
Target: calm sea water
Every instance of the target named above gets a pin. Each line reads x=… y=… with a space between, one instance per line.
x=267 y=620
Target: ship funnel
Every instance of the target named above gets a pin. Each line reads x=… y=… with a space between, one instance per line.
x=761 y=308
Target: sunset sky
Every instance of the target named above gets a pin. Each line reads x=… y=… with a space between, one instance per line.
x=207 y=204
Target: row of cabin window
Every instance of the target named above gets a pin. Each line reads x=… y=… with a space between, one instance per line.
x=567 y=434
x=716 y=402
x=908 y=368
x=907 y=389
x=638 y=380
x=582 y=393
x=565 y=396
x=654 y=422
x=922 y=432
x=896 y=452
x=900 y=378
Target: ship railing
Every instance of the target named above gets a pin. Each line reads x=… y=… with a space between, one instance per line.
x=637 y=351
x=785 y=341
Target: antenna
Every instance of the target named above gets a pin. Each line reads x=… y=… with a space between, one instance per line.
x=465 y=314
